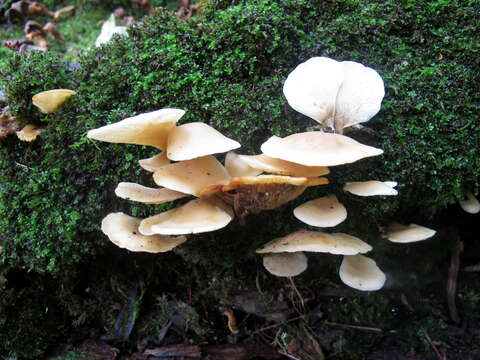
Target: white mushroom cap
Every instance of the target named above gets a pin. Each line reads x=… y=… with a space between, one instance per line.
x=155 y=162
x=471 y=204
x=236 y=167
x=196 y=216
x=191 y=176
x=371 y=188
x=361 y=273
x=317 y=148
x=312 y=87
x=322 y=212
x=282 y=167
x=145 y=129
x=285 y=264
x=28 y=133
x=197 y=139
x=50 y=100
x=146 y=195
x=408 y=233
x=122 y=230
x=303 y=240
x=360 y=95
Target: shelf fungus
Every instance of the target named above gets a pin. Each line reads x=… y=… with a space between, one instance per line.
x=335 y=94
x=470 y=204
x=361 y=273
x=317 y=148
x=371 y=188
x=28 y=133
x=408 y=233
x=51 y=100
x=326 y=211
x=282 y=167
x=237 y=167
x=146 y=195
x=155 y=162
x=285 y=264
x=122 y=230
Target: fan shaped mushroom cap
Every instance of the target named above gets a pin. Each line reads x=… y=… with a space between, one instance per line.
x=303 y=240
x=192 y=140
x=317 y=148
x=322 y=212
x=122 y=230
x=146 y=195
x=28 y=133
x=145 y=129
x=155 y=162
x=361 y=273
x=470 y=204
x=50 y=100
x=196 y=216
x=191 y=176
x=408 y=233
x=312 y=87
x=236 y=167
x=282 y=167
x=285 y=264
x=371 y=188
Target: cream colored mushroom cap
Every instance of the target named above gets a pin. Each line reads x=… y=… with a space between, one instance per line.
x=153 y=163
x=326 y=211
x=236 y=167
x=470 y=204
x=146 y=195
x=361 y=273
x=50 y=100
x=285 y=264
x=122 y=230
x=28 y=133
x=196 y=216
x=192 y=140
x=408 y=233
x=303 y=240
x=371 y=188
x=360 y=95
x=145 y=129
x=312 y=87
x=282 y=167
x=191 y=176
x=317 y=148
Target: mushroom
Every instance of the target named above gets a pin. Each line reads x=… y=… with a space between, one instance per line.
x=34 y=31
x=316 y=148
x=146 y=195
x=155 y=162
x=335 y=94
x=408 y=233
x=150 y=128
x=196 y=216
x=282 y=167
x=52 y=29
x=371 y=188
x=470 y=204
x=122 y=230
x=322 y=212
x=197 y=139
x=303 y=240
x=236 y=167
x=50 y=100
x=29 y=133
x=191 y=176
x=57 y=15
x=361 y=273
x=285 y=264
x=109 y=28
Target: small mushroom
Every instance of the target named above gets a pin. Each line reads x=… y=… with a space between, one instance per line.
x=50 y=28
x=193 y=140
x=57 y=15
x=361 y=273
x=50 y=100
x=285 y=264
x=408 y=233
x=28 y=133
x=282 y=167
x=316 y=148
x=155 y=162
x=303 y=240
x=196 y=216
x=109 y=28
x=371 y=188
x=122 y=230
x=322 y=212
x=150 y=128
x=470 y=204
x=236 y=167
x=146 y=195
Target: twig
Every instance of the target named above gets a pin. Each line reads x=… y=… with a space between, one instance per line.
x=356 y=327
x=299 y=295
x=452 y=280
x=276 y=325
x=440 y=357
x=472 y=268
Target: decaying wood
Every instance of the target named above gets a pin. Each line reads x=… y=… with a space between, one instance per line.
x=452 y=280
x=179 y=350
x=239 y=352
